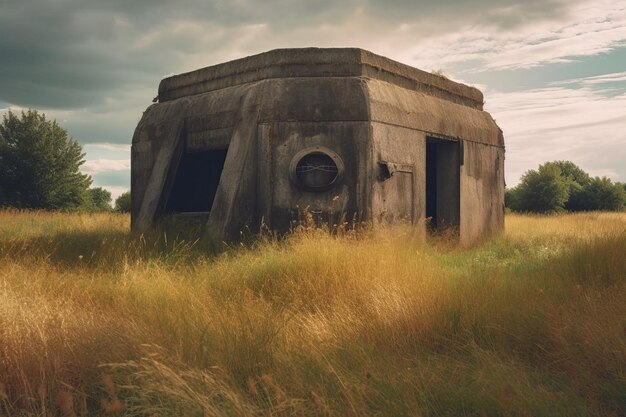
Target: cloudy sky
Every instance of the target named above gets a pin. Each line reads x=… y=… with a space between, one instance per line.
x=553 y=71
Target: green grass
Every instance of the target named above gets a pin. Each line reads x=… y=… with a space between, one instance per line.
x=94 y=321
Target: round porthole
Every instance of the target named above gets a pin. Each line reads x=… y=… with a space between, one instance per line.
x=316 y=169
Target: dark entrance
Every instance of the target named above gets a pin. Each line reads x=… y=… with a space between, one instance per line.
x=196 y=181
x=443 y=160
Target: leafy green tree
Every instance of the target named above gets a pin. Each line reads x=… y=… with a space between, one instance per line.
x=122 y=203
x=39 y=164
x=99 y=200
x=576 y=179
x=602 y=194
x=542 y=191
x=571 y=171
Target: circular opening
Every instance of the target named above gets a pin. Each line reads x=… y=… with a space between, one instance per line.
x=316 y=169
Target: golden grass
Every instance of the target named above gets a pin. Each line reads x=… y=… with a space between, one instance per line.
x=95 y=322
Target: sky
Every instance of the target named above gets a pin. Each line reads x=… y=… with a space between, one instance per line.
x=553 y=72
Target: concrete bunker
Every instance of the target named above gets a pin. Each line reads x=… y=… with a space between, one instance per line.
x=343 y=133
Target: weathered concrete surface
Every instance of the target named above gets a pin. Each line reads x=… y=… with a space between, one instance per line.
x=482 y=192
x=165 y=163
x=376 y=114
x=345 y=201
x=316 y=62
x=398 y=106
x=399 y=197
x=235 y=202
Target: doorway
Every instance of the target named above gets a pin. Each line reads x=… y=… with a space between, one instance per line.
x=443 y=160
x=196 y=181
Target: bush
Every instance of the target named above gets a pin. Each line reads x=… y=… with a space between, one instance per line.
x=99 y=200
x=122 y=203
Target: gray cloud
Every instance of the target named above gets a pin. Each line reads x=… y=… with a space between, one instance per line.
x=94 y=65
x=76 y=53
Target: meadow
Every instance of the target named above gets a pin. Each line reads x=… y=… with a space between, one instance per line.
x=96 y=322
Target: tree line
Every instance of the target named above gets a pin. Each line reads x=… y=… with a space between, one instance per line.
x=40 y=168
x=563 y=186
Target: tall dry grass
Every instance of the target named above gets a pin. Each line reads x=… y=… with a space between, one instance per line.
x=96 y=322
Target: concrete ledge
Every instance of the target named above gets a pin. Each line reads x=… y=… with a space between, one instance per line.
x=316 y=62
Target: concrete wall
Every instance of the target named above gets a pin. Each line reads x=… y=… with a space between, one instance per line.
x=280 y=198
x=482 y=192
x=401 y=195
x=329 y=111
x=394 y=105
x=481 y=176
x=162 y=134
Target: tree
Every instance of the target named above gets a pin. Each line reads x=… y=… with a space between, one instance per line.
x=541 y=191
x=122 y=203
x=510 y=198
x=39 y=164
x=571 y=171
x=576 y=179
x=99 y=200
x=602 y=194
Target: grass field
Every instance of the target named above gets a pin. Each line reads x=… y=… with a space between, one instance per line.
x=95 y=322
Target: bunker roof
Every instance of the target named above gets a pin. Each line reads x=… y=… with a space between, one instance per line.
x=316 y=62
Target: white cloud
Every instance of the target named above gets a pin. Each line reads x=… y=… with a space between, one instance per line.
x=592 y=28
x=598 y=79
x=558 y=123
x=109 y=147
x=13 y=109
x=97 y=166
